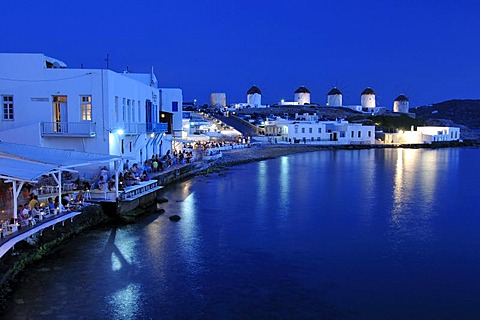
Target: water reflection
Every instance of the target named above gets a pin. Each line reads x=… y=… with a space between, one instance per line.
x=125 y=294
x=285 y=185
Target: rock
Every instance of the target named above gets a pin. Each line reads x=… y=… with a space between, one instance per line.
x=174 y=218
x=161 y=200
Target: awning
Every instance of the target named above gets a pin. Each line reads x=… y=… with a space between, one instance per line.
x=58 y=157
x=21 y=170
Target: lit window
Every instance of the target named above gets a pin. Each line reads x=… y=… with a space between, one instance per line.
x=86 y=107
x=7 y=107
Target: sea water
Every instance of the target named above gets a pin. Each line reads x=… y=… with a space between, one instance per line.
x=363 y=234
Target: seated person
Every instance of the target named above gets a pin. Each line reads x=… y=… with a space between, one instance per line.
x=144 y=176
x=32 y=202
x=111 y=186
x=65 y=199
x=35 y=213
x=50 y=204
x=102 y=184
x=79 y=197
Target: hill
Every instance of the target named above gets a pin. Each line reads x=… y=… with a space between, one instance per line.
x=460 y=112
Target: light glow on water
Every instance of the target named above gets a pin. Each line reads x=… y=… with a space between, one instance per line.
x=360 y=234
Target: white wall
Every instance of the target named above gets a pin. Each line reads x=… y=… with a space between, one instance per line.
x=33 y=86
x=254 y=100
x=368 y=101
x=334 y=100
x=302 y=98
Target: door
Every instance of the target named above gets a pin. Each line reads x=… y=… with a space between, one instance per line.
x=60 y=116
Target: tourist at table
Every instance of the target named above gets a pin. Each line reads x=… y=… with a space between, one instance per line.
x=32 y=202
x=144 y=176
x=35 y=213
x=102 y=184
x=65 y=199
x=104 y=173
x=50 y=204
x=79 y=197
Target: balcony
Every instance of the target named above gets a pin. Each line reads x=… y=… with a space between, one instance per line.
x=142 y=128
x=84 y=129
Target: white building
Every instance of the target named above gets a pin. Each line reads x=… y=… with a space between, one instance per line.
x=334 y=98
x=254 y=99
x=368 y=99
x=401 y=104
x=89 y=110
x=422 y=135
x=310 y=130
x=302 y=96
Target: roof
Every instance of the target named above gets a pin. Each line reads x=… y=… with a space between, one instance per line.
x=56 y=157
x=334 y=91
x=401 y=98
x=302 y=89
x=253 y=90
x=368 y=91
x=17 y=169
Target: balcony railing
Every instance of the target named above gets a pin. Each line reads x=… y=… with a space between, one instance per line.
x=68 y=129
x=149 y=127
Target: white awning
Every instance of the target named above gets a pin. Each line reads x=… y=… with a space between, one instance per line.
x=20 y=170
x=58 y=157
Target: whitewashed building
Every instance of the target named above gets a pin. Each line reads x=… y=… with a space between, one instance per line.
x=302 y=96
x=401 y=104
x=334 y=98
x=421 y=135
x=307 y=129
x=89 y=110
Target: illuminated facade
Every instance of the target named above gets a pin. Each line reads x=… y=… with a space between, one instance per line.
x=88 y=110
x=307 y=129
x=422 y=135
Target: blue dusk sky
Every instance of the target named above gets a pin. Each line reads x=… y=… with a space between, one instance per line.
x=427 y=49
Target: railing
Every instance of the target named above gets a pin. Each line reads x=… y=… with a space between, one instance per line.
x=68 y=129
x=149 y=127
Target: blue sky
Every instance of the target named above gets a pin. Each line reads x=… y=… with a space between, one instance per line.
x=425 y=49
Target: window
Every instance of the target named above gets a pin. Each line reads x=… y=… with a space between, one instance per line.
x=124 y=111
x=342 y=134
x=7 y=107
x=86 y=107
x=174 y=106
x=303 y=130
x=359 y=134
x=353 y=134
x=319 y=130
x=139 y=111
x=296 y=129
x=116 y=108
x=128 y=110
x=310 y=130
x=133 y=110
x=369 y=134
